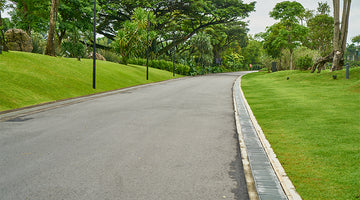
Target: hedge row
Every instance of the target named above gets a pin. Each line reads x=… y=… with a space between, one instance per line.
x=163 y=65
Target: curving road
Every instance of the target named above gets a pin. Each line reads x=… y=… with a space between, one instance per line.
x=171 y=140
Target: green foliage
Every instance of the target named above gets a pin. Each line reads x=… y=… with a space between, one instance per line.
x=353 y=64
x=163 y=65
x=2 y=5
x=287 y=11
x=6 y=24
x=352 y=52
x=39 y=43
x=73 y=49
x=356 y=39
x=321 y=30
x=74 y=17
x=273 y=44
x=227 y=38
x=188 y=17
x=110 y=55
x=304 y=62
x=27 y=79
x=234 y=61
x=323 y=8
x=131 y=40
x=172 y=24
x=288 y=33
x=31 y=15
x=252 y=52
x=202 y=44
x=312 y=124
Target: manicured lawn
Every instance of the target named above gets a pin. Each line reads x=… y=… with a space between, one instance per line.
x=313 y=124
x=28 y=79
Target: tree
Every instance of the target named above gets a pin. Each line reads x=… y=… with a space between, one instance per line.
x=2 y=34
x=204 y=14
x=131 y=39
x=323 y=8
x=74 y=17
x=227 y=36
x=190 y=16
x=356 y=39
x=272 y=43
x=321 y=30
x=339 y=38
x=293 y=33
x=252 y=52
x=50 y=47
x=30 y=15
x=340 y=34
x=202 y=43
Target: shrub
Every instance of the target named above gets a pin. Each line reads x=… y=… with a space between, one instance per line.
x=353 y=63
x=163 y=65
x=39 y=43
x=110 y=56
x=73 y=49
x=304 y=62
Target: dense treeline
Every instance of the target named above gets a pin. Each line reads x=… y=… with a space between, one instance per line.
x=304 y=39
x=196 y=33
x=207 y=36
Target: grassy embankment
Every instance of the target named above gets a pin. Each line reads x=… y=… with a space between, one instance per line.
x=313 y=124
x=28 y=79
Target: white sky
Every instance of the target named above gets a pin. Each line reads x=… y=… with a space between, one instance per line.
x=260 y=19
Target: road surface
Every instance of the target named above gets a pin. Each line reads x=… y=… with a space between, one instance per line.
x=171 y=140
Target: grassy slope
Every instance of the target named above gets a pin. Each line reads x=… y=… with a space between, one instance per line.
x=313 y=124
x=28 y=79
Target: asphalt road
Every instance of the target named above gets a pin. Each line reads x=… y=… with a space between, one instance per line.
x=172 y=140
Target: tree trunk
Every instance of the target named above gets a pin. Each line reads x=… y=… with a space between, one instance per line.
x=345 y=24
x=291 y=59
x=217 y=55
x=26 y=13
x=60 y=37
x=320 y=63
x=50 y=47
x=339 y=38
x=340 y=35
x=2 y=36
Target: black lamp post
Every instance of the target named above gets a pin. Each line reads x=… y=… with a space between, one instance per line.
x=147 y=47
x=94 y=53
x=174 y=51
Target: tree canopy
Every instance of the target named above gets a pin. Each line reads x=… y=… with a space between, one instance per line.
x=292 y=34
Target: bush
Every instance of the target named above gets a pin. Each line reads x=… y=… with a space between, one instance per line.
x=163 y=65
x=353 y=64
x=304 y=62
x=110 y=56
x=39 y=43
x=73 y=49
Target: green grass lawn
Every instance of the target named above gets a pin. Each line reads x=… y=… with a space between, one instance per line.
x=313 y=124
x=28 y=79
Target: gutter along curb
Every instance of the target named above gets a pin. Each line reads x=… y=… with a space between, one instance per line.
x=268 y=176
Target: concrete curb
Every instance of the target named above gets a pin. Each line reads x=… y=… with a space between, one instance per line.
x=250 y=183
x=284 y=180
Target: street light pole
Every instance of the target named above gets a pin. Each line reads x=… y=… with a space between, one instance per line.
x=173 y=56
x=94 y=53
x=147 y=47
